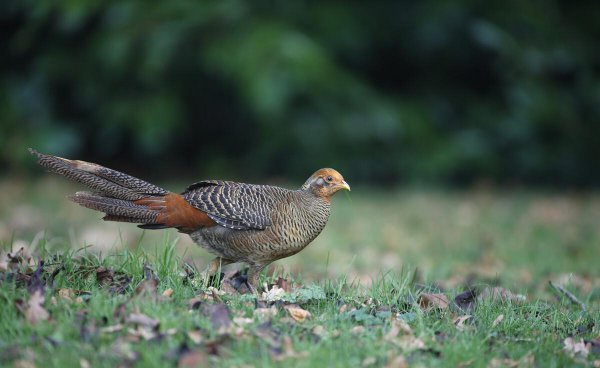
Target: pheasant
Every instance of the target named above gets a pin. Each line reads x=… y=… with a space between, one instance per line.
x=237 y=222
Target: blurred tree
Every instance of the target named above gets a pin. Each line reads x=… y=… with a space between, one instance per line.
x=449 y=91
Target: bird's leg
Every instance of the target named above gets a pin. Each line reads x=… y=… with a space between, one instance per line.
x=215 y=265
x=253 y=278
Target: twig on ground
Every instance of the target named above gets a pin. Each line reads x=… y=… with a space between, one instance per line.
x=562 y=291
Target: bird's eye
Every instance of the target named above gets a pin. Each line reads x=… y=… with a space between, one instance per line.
x=329 y=178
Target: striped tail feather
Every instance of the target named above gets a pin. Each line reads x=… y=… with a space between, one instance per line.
x=108 y=182
x=120 y=196
x=117 y=209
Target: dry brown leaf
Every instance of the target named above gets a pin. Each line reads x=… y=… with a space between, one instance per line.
x=410 y=343
x=24 y=364
x=147 y=288
x=71 y=295
x=433 y=301
x=195 y=358
x=34 y=311
x=196 y=302
x=142 y=332
x=369 y=361
x=497 y=321
x=398 y=325
x=343 y=308
x=273 y=295
x=167 y=293
x=219 y=316
x=319 y=331
x=142 y=320
x=66 y=294
x=229 y=289
x=459 y=322
x=357 y=330
x=116 y=282
x=576 y=348
x=526 y=360
x=503 y=363
x=112 y=329
x=297 y=313
x=397 y=361
x=195 y=336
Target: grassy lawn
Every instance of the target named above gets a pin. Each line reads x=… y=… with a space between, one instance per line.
x=398 y=278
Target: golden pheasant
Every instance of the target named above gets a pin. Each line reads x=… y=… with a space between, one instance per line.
x=254 y=224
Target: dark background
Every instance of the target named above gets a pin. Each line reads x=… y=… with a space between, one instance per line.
x=387 y=92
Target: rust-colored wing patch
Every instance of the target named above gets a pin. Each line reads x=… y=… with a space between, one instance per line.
x=176 y=212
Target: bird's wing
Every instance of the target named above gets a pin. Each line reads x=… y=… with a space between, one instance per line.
x=233 y=205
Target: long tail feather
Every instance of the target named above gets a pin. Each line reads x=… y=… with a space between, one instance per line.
x=108 y=182
x=125 y=198
x=116 y=207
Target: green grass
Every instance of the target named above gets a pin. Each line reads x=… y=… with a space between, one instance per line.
x=377 y=255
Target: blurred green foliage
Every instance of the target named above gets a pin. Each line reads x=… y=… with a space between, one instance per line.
x=385 y=91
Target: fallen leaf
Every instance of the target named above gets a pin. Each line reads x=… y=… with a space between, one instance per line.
x=526 y=360
x=34 y=311
x=576 y=348
x=167 y=293
x=66 y=294
x=71 y=295
x=433 y=301
x=24 y=364
x=498 y=319
x=398 y=325
x=319 y=331
x=228 y=288
x=142 y=320
x=219 y=316
x=297 y=313
x=397 y=361
x=459 y=322
x=369 y=361
x=195 y=358
x=466 y=300
x=112 y=329
x=149 y=285
x=142 y=332
x=502 y=363
x=410 y=343
x=274 y=294
x=122 y=349
x=36 y=282
x=195 y=336
x=115 y=282
x=594 y=345
x=357 y=330
x=196 y=302
x=120 y=311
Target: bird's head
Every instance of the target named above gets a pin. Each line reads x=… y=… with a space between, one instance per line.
x=325 y=183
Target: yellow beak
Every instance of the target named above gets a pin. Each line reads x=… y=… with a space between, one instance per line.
x=345 y=185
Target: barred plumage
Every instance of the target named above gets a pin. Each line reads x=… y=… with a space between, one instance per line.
x=238 y=222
